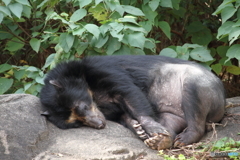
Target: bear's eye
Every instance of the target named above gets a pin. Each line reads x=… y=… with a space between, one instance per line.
x=82 y=106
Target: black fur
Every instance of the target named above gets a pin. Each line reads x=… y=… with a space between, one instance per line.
x=164 y=95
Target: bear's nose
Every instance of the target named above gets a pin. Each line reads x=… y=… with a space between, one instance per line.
x=101 y=126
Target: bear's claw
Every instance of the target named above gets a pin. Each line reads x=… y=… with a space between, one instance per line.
x=159 y=141
x=156 y=141
x=140 y=132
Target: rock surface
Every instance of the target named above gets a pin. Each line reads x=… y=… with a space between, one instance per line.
x=25 y=135
x=21 y=127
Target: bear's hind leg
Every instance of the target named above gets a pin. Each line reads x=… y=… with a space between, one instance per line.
x=195 y=112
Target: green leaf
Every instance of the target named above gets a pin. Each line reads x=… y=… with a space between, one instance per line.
x=14 y=44
x=98 y=1
x=18 y=74
x=137 y=51
x=24 y=2
x=40 y=80
x=32 y=69
x=132 y=10
x=134 y=28
x=153 y=4
x=49 y=60
x=1 y=17
x=224 y=29
x=5 y=84
x=150 y=44
x=6 y=2
x=66 y=41
x=117 y=27
x=129 y=20
x=113 y=45
x=78 y=14
x=104 y=28
x=203 y=37
x=124 y=50
x=233 y=35
x=120 y=10
x=183 y=52
x=175 y=4
x=136 y=39
x=16 y=9
x=168 y=52
x=112 y=4
x=115 y=30
x=27 y=86
x=149 y=13
x=225 y=3
x=181 y=157
x=191 y=45
x=195 y=26
x=42 y=3
x=101 y=41
x=167 y=3
x=82 y=47
x=99 y=12
x=234 y=70
x=5 y=67
x=201 y=54
x=83 y=3
x=5 y=10
x=35 y=44
x=227 y=13
x=217 y=68
x=222 y=50
x=233 y=52
x=78 y=31
x=119 y=36
x=165 y=28
x=92 y=28
x=27 y=11
x=19 y=91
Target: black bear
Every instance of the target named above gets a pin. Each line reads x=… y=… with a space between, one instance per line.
x=165 y=101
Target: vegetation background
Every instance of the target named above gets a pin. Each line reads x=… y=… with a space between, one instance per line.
x=37 y=34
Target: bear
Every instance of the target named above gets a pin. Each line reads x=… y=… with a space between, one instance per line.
x=165 y=101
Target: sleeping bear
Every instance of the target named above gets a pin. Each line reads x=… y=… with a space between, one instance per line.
x=165 y=101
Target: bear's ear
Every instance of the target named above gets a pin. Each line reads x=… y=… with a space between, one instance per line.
x=55 y=83
x=46 y=113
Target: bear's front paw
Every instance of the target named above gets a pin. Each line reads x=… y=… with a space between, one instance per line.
x=159 y=141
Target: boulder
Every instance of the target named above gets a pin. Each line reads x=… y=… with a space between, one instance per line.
x=26 y=135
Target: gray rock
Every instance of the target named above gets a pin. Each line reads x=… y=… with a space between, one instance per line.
x=25 y=135
x=21 y=127
x=112 y=143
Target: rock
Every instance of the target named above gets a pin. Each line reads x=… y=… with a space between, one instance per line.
x=21 y=127
x=229 y=126
x=25 y=135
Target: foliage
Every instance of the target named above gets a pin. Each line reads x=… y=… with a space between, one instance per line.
x=36 y=34
x=173 y=157
x=226 y=144
x=224 y=147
